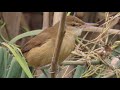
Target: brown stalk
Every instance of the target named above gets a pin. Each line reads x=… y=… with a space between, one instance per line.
x=45 y=20
x=60 y=36
x=109 y=75
x=93 y=62
x=99 y=29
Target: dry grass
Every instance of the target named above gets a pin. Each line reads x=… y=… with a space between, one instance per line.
x=97 y=55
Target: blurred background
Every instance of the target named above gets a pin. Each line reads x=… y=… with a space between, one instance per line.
x=13 y=24
x=20 y=22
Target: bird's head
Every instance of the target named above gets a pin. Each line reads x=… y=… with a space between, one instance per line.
x=74 y=25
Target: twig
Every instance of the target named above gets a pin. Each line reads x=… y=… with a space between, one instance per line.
x=99 y=29
x=109 y=75
x=94 y=62
x=60 y=36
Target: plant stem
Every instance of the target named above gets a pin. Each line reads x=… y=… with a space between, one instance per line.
x=60 y=36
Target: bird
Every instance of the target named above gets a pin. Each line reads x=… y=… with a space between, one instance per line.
x=38 y=51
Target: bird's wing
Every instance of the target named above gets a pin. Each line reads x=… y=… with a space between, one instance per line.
x=39 y=39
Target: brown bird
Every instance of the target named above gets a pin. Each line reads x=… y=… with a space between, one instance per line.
x=39 y=50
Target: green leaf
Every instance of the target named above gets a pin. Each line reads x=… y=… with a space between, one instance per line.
x=79 y=70
x=1 y=62
x=20 y=59
x=26 y=34
x=5 y=63
x=23 y=75
x=1 y=55
x=116 y=52
x=46 y=71
x=5 y=60
x=15 y=69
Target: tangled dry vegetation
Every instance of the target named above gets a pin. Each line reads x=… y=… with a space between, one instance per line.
x=98 y=57
x=97 y=52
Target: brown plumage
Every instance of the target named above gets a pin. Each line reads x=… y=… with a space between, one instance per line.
x=39 y=50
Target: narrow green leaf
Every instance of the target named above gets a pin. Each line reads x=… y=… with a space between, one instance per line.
x=26 y=34
x=20 y=60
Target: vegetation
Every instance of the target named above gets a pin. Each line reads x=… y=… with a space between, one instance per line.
x=97 y=52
